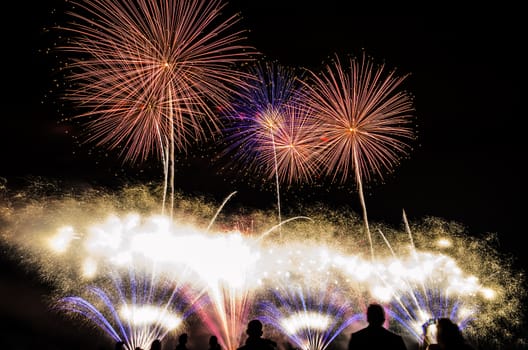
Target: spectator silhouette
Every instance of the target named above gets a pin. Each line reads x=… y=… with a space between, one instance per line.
x=156 y=345
x=449 y=337
x=254 y=340
x=213 y=343
x=375 y=336
x=182 y=342
x=119 y=345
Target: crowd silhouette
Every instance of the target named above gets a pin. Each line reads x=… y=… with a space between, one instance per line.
x=445 y=335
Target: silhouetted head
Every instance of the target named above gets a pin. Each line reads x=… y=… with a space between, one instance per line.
x=182 y=339
x=448 y=333
x=254 y=328
x=375 y=314
x=213 y=340
x=119 y=345
x=156 y=345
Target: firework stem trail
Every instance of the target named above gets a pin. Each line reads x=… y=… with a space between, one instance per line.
x=363 y=206
x=219 y=210
x=171 y=121
x=282 y=223
x=276 y=181
x=165 y=163
x=408 y=230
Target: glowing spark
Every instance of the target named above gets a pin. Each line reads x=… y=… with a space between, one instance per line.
x=305 y=320
x=147 y=314
x=61 y=241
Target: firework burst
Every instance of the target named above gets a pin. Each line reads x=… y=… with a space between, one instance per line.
x=268 y=132
x=363 y=120
x=260 y=115
x=136 y=310
x=150 y=74
x=310 y=316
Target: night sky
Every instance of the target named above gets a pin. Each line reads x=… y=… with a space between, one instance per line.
x=466 y=72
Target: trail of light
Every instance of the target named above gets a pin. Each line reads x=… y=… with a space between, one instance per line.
x=219 y=210
x=264 y=234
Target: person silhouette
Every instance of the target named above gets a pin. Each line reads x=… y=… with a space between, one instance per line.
x=182 y=342
x=254 y=340
x=119 y=345
x=375 y=336
x=449 y=337
x=213 y=343
x=156 y=345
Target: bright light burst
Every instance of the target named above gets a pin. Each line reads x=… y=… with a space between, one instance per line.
x=168 y=269
x=310 y=316
x=424 y=286
x=136 y=310
x=150 y=73
x=363 y=120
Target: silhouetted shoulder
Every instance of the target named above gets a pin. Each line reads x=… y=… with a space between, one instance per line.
x=373 y=338
x=259 y=344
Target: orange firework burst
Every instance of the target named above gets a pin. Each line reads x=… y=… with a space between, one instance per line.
x=150 y=73
x=364 y=121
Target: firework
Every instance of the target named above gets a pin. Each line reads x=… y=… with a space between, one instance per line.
x=268 y=133
x=310 y=316
x=225 y=276
x=427 y=286
x=150 y=74
x=136 y=310
x=363 y=120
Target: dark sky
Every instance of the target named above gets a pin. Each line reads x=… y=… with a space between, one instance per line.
x=466 y=75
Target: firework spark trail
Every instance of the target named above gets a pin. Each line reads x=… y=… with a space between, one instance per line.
x=362 y=119
x=229 y=271
x=150 y=74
